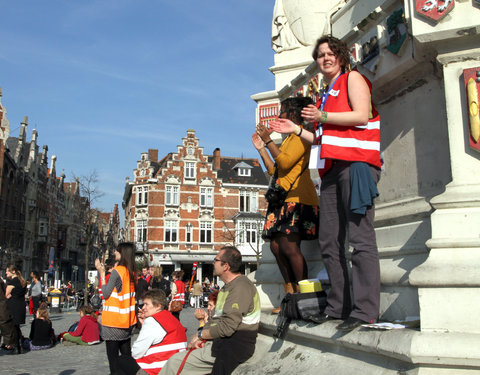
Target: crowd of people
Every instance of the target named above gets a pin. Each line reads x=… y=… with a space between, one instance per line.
x=340 y=136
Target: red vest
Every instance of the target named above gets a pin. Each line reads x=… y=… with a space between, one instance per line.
x=174 y=341
x=100 y=293
x=180 y=291
x=350 y=143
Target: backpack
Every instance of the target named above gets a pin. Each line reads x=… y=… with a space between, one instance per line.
x=299 y=306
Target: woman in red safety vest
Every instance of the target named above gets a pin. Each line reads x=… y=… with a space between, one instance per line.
x=118 y=314
x=161 y=336
x=178 y=291
x=346 y=151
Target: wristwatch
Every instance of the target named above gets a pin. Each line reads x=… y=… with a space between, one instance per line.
x=200 y=333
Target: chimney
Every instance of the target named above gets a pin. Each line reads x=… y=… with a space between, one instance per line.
x=216 y=159
x=153 y=154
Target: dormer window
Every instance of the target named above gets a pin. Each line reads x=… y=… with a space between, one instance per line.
x=243 y=169
x=244 y=172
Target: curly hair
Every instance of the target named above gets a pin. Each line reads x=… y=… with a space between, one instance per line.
x=338 y=47
x=293 y=107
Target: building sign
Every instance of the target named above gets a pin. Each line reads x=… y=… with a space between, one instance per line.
x=434 y=10
x=472 y=87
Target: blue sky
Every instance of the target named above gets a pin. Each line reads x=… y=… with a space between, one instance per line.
x=103 y=81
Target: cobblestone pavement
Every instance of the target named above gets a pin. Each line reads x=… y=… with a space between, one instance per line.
x=69 y=360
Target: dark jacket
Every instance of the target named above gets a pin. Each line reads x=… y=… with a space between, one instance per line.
x=41 y=332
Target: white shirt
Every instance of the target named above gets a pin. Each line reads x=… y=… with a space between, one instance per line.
x=152 y=333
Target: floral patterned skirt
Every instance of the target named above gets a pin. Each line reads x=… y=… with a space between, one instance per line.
x=292 y=218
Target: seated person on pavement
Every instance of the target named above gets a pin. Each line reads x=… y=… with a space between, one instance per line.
x=229 y=337
x=161 y=336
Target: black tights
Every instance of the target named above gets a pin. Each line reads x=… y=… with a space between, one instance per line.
x=113 y=350
x=18 y=338
x=290 y=260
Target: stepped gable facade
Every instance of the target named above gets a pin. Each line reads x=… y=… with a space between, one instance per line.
x=183 y=208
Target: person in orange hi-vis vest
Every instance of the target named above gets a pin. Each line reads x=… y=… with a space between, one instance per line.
x=118 y=315
x=346 y=151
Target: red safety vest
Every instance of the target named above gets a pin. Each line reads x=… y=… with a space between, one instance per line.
x=180 y=292
x=350 y=143
x=174 y=341
x=119 y=308
x=100 y=292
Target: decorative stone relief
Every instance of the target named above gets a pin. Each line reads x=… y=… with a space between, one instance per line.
x=189 y=206
x=472 y=85
x=171 y=213
x=206 y=214
x=434 y=10
x=298 y=23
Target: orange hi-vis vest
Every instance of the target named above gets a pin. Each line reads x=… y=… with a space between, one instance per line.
x=119 y=308
x=350 y=143
x=180 y=296
x=174 y=341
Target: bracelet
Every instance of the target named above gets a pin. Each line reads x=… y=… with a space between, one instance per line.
x=323 y=119
x=266 y=143
x=300 y=133
x=296 y=129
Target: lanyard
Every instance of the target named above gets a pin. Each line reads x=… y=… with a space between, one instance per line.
x=327 y=94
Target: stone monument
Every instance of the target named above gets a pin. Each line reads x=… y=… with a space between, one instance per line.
x=423 y=58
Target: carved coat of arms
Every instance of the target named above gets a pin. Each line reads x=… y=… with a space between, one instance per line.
x=434 y=9
x=472 y=86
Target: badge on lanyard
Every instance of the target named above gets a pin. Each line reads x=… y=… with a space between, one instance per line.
x=315 y=161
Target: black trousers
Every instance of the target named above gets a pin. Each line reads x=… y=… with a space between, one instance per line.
x=36 y=303
x=114 y=349
x=128 y=365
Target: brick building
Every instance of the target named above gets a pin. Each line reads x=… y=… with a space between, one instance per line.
x=185 y=207
x=40 y=212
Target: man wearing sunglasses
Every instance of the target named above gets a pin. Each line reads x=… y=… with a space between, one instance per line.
x=228 y=339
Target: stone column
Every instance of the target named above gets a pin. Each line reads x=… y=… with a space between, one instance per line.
x=449 y=280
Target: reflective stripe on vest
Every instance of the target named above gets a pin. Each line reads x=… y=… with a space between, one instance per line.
x=174 y=341
x=180 y=296
x=350 y=143
x=119 y=308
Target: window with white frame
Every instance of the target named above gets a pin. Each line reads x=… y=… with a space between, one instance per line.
x=171 y=230
x=142 y=195
x=247 y=232
x=189 y=169
x=248 y=201
x=141 y=231
x=189 y=233
x=244 y=172
x=206 y=232
x=206 y=197
x=171 y=195
x=42 y=228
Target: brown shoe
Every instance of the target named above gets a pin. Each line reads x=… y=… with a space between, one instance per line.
x=276 y=310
